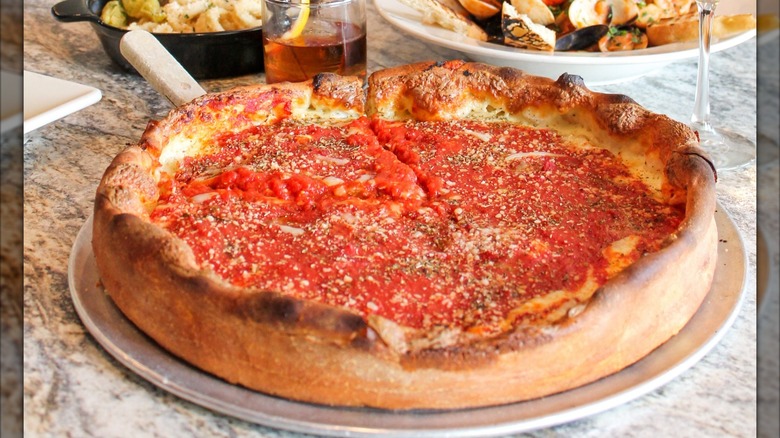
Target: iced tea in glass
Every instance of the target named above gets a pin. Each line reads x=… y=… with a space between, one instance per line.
x=304 y=37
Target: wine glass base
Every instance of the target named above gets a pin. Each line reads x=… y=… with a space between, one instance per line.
x=727 y=150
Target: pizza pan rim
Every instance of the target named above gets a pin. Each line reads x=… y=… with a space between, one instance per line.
x=141 y=355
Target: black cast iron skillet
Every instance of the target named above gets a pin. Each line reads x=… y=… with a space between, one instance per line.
x=204 y=55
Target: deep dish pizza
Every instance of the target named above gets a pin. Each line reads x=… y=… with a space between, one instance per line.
x=464 y=235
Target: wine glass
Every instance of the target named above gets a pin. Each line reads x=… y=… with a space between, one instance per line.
x=728 y=150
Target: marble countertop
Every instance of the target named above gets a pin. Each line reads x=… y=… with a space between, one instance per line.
x=72 y=387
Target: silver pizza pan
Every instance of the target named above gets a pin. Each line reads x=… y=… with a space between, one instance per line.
x=140 y=354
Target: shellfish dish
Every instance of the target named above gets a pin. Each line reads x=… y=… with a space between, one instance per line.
x=577 y=25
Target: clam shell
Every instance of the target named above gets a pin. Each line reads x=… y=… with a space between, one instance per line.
x=536 y=10
x=481 y=9
x=584 y=13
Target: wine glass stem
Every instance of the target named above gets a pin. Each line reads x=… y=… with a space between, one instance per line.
x=701 y=106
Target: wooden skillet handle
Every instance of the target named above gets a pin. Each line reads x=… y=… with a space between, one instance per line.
x=144 y=52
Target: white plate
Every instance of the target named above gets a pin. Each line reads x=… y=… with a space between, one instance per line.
x=595 y=68
x=11 y=115
x=143 y=356
x=47 y=99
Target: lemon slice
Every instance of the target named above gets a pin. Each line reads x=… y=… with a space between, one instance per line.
x=297 y=28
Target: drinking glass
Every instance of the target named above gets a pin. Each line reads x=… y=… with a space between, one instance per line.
x=727 y=149
x=304 y=37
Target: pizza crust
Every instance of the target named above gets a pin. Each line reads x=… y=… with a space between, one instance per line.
x=317 y=353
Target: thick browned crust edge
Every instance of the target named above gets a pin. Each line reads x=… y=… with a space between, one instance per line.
x=312 y=352
x=327 y=95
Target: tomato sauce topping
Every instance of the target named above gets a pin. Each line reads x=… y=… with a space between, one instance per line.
x=451 y=224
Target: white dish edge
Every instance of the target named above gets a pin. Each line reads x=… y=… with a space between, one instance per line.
x=61 y=98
